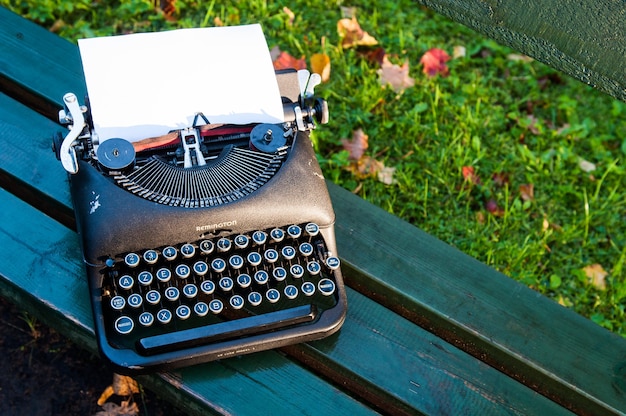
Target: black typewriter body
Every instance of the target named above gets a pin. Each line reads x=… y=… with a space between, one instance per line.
x=193 y=264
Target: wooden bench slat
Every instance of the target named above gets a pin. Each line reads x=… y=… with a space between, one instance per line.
x=584 y=39
x=480 y=310
x=413 y=360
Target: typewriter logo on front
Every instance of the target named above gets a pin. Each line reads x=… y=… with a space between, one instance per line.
x=217 y=226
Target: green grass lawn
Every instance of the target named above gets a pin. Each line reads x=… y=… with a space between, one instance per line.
x=504 y=158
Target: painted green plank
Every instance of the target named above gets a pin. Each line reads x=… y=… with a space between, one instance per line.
x=402 y=366
x=480 y=310
x=40 y=271
x=584 y=39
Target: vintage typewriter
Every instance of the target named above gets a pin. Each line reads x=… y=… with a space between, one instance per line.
x=209 y=242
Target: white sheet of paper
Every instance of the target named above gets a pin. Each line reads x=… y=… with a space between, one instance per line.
x=146 y=84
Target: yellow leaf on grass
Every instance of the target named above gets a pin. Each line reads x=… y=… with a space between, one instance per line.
x=320 y=64
x=121 y=386
x=596 y=275
x=352 y=35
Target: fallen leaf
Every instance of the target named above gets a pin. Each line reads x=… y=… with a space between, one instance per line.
x=470 y=175
x=434 y=61
x=320 y=64
x=365 y=167
x=596 y=275
x=385 y=175
x=519 y=57
x=500 y=179
x=458 y=52
x=357 y=146
x=586 y=166
x=121 y=385
x=395 y=76
x=286 y=61
x=375 y=56
x=492 y=206
x=124 y=409
x=291 y=16
x=352 y=35
x=527 y=192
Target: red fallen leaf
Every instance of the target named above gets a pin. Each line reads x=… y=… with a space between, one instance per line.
x=357 y=146
x=286 y=61
x=352 y=35
x=434 y=61
x=376 y=56
x=492 y=206
x=469 y=175
x=527 y=192
x=396 y=76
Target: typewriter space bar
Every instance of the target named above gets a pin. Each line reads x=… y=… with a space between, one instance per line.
x=252 y=325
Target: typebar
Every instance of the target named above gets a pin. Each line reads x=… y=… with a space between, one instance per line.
x=223 y=331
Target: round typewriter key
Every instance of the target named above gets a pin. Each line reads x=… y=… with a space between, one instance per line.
x=279 y=274
x=277 y=235
x=236 y=261
x=169 y=253
x=312 y=229
x=255 y=298
x=201 y=308
x=183 y=312
x=244 y=280
x=153 y=297
x=131 y=260
x=326 y=286
x=200 y=268
x=183 y=271
x=164 y=275
x=314 y=268
x=218 y=265
x=242 y=241
x=223 y=244
x=135 y=300
x=259 y=237
x=294 y=231
x=308 y=288
x=291 y=291
x=207 y=246
x=288 y=252
x=236 y=302
x=126 y=282
x=216 y=306
x=207 y=287
x=144 y=278
x=146 y=319
x=164 y=316
x=187 y=250
x=261 y=277
x=226 y=283
x=109 y=262
x=254 y=258
x=270 y=255
x=150 y=256
x=124 y=325
x=297 y=271
x=190 y=290
x=172 y=293
x=118 y=302
x=306 y=249
x=273 y=295
x=332 y=263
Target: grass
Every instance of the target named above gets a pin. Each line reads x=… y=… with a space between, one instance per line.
x=516 y=123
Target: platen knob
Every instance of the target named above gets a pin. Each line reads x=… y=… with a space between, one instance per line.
x=116 y=155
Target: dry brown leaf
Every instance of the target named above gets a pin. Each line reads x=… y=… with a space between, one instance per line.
x=126 y=408
x=596 y=275
x=434 y=61
x=527 y=191
x=352 y=35
x=320 y=64
x=365 y=167
x=357 y=145
x=122 y=386
x=395 y=76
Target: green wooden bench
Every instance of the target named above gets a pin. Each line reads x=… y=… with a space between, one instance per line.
x=429 y=329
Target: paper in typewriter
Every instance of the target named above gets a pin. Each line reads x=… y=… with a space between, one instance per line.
x=146 y=84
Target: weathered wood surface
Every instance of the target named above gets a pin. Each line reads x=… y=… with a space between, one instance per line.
x=381 y=358
x=584 y=39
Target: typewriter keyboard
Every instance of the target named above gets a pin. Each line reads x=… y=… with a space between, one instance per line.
x=210 y=290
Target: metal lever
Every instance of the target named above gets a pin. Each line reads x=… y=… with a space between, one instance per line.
x=67 y=152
